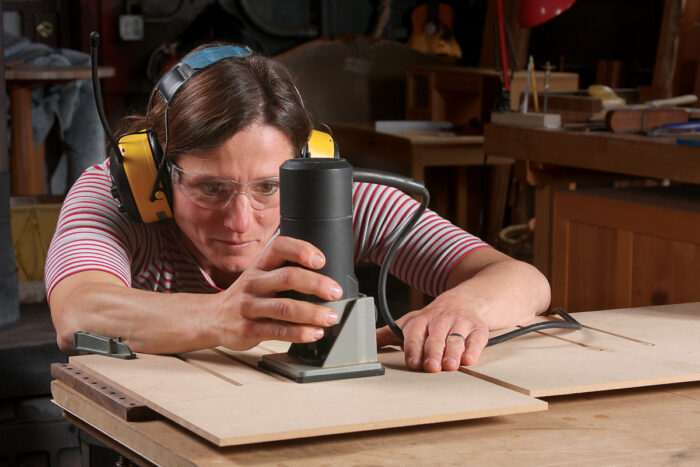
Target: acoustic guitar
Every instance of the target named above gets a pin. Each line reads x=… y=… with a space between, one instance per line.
x=431 y=30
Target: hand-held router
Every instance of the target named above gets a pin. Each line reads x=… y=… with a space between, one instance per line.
x=316 y=206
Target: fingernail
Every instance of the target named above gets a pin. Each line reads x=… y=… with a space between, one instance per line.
x=332 y=317
x=414 y=362
x=470 y=358
x=336 y=292
x=431 y=363
x=449 y=362
x=317 y=260
x=318 y=333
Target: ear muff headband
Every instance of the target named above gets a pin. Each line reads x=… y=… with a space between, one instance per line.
x=170 y=83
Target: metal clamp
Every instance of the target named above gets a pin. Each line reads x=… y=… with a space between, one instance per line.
x=96 y=344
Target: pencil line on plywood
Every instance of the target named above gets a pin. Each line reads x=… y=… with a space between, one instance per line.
x=570 y=341
x=195 y=364
x=619 y=335
x=248 y=364
x=497 y=381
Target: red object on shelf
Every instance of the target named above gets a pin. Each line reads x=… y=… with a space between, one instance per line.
x=535 y=12
x=502 y=46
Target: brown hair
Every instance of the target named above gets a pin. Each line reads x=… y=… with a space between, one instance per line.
x=223 y=99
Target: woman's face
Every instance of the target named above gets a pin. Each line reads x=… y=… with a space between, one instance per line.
x=226 y=240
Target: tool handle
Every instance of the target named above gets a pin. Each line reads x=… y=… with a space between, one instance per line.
x=671 y=101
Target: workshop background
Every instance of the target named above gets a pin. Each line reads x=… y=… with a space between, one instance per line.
x=351 y=58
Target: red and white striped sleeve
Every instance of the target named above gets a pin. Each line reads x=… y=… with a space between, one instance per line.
x=428 y=255
x=91 y=233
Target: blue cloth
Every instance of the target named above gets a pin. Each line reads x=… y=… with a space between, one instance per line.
x=71 y=105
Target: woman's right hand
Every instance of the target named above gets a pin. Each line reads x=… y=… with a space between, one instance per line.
x=249 y=311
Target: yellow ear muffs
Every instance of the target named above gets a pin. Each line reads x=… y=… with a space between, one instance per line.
x=136 y=177
x=320 y=144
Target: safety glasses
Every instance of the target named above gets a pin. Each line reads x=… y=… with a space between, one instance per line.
x=217 y=192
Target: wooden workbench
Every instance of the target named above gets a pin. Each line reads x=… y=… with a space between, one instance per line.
x=553 y=157
x=657 y=425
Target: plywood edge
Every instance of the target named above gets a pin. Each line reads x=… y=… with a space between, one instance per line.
x=499 y=382
x=596 y=387
x=536 y=406
x=586 y=388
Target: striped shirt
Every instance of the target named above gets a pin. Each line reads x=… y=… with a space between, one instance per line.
x=93 y=235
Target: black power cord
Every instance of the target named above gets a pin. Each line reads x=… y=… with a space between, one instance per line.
x=416 y=187
x=569 y=323
x=413 y=187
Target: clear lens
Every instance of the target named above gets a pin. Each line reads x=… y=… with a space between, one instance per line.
x=216 y=193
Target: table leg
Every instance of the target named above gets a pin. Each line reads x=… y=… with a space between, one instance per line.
x=498 y=198
x=462 y=195
x=26 y=165
x=544 y=202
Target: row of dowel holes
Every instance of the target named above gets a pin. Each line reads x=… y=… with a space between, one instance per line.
x=103 y=387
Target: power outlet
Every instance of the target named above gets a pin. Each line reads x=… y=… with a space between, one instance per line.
x=131 y=27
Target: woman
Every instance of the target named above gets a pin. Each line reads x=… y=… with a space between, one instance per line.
x=219 y=260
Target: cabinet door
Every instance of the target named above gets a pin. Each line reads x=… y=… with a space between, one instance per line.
x=612 y=253
x=43 y=21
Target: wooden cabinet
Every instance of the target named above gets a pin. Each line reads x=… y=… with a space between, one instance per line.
x=620 y=248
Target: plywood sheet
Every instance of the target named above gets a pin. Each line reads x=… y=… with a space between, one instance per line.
x=671 y=332
x=219 y=398
x=616 y=349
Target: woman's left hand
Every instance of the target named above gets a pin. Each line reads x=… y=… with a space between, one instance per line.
x=487 y=290
x=442 y=336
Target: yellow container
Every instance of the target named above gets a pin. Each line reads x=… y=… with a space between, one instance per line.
x=32 y=227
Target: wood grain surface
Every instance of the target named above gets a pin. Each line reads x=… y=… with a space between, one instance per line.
x=616 y=349
x=229 y=403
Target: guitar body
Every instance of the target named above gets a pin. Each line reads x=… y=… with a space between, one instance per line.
x=431 y=30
